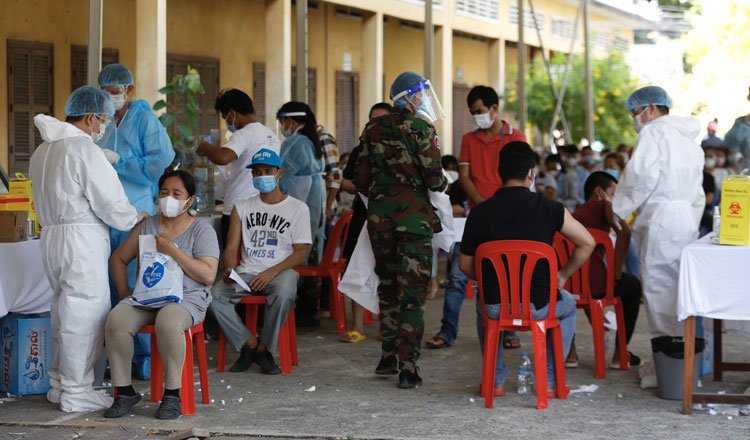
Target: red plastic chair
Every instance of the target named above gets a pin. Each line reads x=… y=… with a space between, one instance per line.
x=519 y=274
x=579 y=284
x=188 y=387
x=287 y=335
x=332 y=268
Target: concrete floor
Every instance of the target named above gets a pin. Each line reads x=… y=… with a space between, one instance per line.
x=350 y=401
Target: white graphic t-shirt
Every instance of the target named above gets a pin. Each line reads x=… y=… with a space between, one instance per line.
x=245 y=142
x=269 y=231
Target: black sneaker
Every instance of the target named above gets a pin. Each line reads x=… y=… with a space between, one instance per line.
x=170 y=408
x=387 y=365
x=265 y=360
x=121 y=405
x=407 y=379
x=245 y=361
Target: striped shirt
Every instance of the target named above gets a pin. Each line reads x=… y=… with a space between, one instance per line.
x=331 y=156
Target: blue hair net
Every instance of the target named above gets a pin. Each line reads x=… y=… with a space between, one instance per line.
x=87 y=99
x=115 y=75
x=648 y=95
x=403 y=82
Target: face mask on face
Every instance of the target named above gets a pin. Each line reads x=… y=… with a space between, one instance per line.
x=710 y=162
x=119 y=100
x=264 y=184
x=97 y=136
x=638 y=121
x=484 y=121
x=424 y=110
x=734 y=158
x=231 y=126
x=453 y=175
x=589 y=160
x=554 y=173
x=721 y=161
x=571 y=162
x=613 y=173
x=171 y=207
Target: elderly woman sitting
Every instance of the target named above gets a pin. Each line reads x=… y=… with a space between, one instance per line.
x=193 y=245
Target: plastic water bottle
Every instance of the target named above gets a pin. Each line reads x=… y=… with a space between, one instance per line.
x=525 y=376
x=717 y=221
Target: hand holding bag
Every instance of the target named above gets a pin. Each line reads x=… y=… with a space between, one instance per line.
x=159 y=276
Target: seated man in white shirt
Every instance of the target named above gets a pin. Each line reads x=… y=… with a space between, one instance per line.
x=274 y=232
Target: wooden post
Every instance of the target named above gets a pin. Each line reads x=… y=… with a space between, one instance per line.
x=687 y=375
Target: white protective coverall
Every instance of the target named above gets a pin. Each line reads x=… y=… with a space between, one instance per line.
x=663 y=181
x=77 y=196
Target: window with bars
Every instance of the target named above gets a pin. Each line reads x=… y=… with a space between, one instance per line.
x=601 y=39
x=560 y=27
x=30 y=92
x=528 y=17
x=487 y=9
x=79 y=64
x=620 y=43
x=259 y=89
x=347 y=111
x=311 y=87
x=208 y=68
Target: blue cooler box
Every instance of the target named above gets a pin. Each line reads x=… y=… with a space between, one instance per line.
x=27 y=354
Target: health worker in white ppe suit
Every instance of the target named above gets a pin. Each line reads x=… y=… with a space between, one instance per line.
x=663 y=182
x=77 y=197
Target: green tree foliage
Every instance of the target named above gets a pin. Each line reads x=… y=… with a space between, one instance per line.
x=185 y=89
x=612 y=85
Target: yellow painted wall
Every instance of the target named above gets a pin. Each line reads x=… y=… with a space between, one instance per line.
x=62 y=23
x=233 y=31
x=330 y=36
x=473 y=57
x=403 y=50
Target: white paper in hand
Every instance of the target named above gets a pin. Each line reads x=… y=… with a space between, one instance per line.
x=241 y=284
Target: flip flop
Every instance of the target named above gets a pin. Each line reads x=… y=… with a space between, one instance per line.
x=353 y=336
x=438 y=337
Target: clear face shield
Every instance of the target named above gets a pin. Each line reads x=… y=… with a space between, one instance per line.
x=280 y=128
x=426 y=103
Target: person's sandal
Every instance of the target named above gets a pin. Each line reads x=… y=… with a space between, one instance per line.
x=438 y=341
x=353 y=336
x=509 y=343
x=170 y=408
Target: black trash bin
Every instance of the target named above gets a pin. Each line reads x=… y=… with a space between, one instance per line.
x=669 y=354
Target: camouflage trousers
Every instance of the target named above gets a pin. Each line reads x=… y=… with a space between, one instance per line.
x=403 y=262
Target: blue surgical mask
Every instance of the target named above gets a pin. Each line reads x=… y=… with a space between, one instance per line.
x=264 y=184
x=231 y=126
x=286 y=133
x=613 y=173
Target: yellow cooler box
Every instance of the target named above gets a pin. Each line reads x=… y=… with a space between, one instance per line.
x=735 y=211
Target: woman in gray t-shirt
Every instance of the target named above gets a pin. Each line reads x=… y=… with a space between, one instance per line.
x=194 y=246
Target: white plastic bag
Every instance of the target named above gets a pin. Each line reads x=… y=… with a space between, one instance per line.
x=359 y=281
x=159 y=276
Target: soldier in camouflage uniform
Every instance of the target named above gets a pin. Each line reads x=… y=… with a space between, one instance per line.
x=398 y=164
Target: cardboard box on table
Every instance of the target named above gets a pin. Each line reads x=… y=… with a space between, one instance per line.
x=13 y=226
x=735 y=211
x=26 y=345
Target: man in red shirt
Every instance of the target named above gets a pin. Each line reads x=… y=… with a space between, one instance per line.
x=480 y=149
x=597 y=213
x=480 y=156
